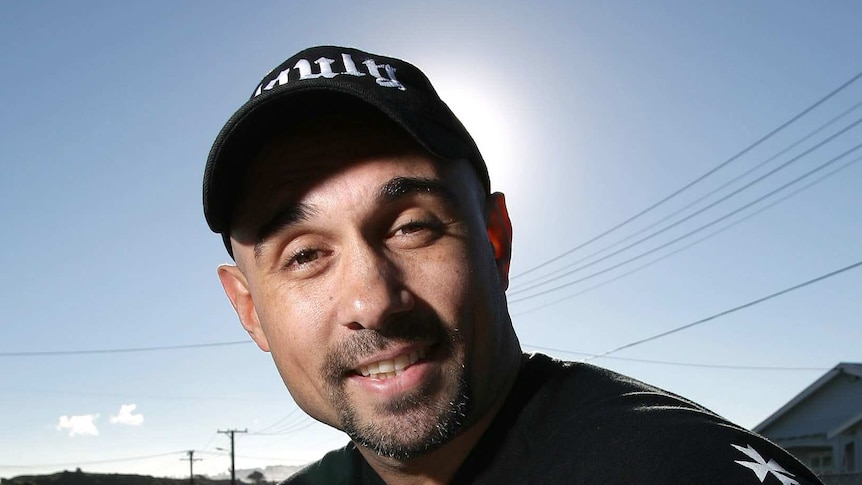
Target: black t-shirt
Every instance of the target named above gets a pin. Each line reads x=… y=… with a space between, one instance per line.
x=570 y=423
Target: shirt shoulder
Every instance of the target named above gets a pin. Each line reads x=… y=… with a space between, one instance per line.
x=582 y=424
x=335 y=468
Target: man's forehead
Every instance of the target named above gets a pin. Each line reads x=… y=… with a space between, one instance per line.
x=278 y=182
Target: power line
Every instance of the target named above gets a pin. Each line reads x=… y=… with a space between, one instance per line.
x=698 y=179
x=726 y=312
x=686 y=235
x=687 y=246
x=120 y=350
x=704 y=209
x=293 y=421
x=687 y=364
x=284 y=460
x=279 y=422
x=294 y=428
x=95 y=462
x=139 y=396
x=705 y=196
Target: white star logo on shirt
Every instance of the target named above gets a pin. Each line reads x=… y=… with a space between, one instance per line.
x=762 y=468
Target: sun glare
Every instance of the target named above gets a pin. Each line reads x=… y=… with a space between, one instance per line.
x=488 y=113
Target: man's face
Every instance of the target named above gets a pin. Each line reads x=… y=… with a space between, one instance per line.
x=370 y=271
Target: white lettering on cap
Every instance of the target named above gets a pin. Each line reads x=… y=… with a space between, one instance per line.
x=325 y=67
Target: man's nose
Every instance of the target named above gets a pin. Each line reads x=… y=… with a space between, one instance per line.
x=373 y=288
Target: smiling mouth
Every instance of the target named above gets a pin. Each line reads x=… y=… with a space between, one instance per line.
x=389 y=368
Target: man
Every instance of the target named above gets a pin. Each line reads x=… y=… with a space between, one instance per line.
x=371 y=262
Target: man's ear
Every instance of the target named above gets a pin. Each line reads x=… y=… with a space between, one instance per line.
x=236 y=287
x=499 y=233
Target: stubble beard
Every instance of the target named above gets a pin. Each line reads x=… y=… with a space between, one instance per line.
x=415 y=423
x=411 y=425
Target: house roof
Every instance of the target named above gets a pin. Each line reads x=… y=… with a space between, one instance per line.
x=842 y=368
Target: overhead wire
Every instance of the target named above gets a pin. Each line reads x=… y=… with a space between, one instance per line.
x=283 y=460
x=300 y=425
x=279 y=422
x=689 y=245
x=290 y=423
x=704 y=209
x=95 y=462
x=686 y=364
x=121 y=350
x=699 y=199
x=675 y=240
x=726 y=312
x=137 y=396
x=696 y=180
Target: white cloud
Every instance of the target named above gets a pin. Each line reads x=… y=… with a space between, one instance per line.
x=84 y=424
x=126 y=417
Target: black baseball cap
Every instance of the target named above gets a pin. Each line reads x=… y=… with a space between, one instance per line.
x=396 y=88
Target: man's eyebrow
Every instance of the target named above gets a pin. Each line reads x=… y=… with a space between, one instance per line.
x=399 y=187
x=390 y=191
x=288 y=216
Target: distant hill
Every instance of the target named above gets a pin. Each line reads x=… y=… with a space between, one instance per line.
x=81 y=478
x=273 y=473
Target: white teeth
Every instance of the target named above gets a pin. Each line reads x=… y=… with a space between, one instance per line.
x=401 y=362
x=386 y=369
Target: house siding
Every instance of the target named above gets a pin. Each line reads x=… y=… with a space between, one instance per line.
x=837 y=401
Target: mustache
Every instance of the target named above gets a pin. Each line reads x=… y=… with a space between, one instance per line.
x=414 y=327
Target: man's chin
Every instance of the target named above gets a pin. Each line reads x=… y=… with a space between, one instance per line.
x=402 y=444
x=407 y=429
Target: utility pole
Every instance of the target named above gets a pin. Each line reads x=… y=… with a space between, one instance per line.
x=191 y=460
x=232 y=467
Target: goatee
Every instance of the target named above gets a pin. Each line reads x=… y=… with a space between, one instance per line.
x=418 y=421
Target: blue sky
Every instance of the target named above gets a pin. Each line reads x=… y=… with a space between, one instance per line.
x=586 y=112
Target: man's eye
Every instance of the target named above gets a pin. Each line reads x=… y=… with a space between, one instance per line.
x=413 y=227
x=302 y=257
